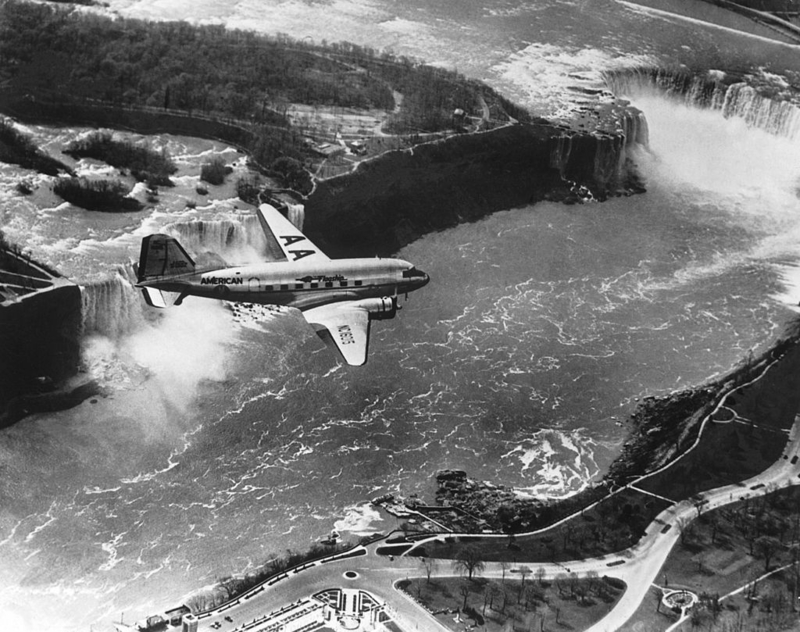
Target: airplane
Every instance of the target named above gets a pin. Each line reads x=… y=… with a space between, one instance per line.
x=338 y=297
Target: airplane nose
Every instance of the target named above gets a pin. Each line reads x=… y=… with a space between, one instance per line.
x=424 y=280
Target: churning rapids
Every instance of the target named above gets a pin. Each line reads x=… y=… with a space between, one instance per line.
x=228 y=437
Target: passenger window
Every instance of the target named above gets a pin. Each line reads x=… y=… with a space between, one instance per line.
x=359 y=282
x=284 y=287
x=298 y=286
x=314 y=285
x=329 y=284
x=342 y=283
x=268 y=288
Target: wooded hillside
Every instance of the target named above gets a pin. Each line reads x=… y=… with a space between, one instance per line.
x=59 y=53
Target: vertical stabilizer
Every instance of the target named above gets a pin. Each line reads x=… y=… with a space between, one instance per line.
x=162 y=256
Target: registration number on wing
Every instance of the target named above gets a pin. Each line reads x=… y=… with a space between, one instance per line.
x=346 y=335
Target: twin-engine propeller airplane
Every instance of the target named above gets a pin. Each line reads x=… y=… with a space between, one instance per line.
x=338 y=297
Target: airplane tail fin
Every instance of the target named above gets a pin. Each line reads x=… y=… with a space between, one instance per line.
x=163 y=257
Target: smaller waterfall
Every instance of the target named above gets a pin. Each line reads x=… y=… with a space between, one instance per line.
x=221 y=236
x=780 y=118
x=112 y=307
x=297 y=214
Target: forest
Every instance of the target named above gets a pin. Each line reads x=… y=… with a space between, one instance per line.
x=64 y=55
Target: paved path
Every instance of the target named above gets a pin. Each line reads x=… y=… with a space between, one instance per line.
x=637 y=566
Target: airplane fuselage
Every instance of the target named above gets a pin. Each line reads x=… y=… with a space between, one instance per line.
x=296 y=284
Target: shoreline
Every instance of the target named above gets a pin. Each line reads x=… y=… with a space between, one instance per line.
x=663 y=429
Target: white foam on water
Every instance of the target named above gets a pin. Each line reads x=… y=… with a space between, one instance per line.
x=359 y=520
x=558 y=463
x=726 y=172
x=548 y=74
x=790 y=296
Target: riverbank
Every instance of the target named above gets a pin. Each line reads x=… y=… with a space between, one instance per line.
x=661 y=431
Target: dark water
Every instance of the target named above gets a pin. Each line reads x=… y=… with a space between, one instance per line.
x=221 y=444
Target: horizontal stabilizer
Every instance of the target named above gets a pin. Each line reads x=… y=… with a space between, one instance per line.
x=154 y=297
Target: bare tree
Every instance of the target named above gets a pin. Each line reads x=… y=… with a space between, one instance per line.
x=767 y=546
x=430 y=565
x=504 y=568
x=464 y=590
x=524 y=571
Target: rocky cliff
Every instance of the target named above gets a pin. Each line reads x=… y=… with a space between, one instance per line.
x=40 y=341
x=398 y=197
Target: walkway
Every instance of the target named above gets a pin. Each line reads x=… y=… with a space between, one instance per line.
x=637 y=566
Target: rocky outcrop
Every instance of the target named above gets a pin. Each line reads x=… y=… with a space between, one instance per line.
x=396 y=198
x=40 y=339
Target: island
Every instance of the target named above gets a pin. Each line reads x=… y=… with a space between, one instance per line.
x=704 y=456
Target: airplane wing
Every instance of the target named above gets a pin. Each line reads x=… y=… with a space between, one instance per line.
x=344 y=327
x=294 y=244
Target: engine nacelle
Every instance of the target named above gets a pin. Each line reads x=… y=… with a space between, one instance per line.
x=378 y=308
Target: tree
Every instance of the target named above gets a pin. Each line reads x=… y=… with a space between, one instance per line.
x=523 y=570
x=503 y=568
x=464 y=590
x=293 y=173
x=214 y=171
x=469 y=560
x=429 y=564
x=594 y=583
x=767 y=546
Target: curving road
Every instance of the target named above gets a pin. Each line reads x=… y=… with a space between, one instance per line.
x=637 y=566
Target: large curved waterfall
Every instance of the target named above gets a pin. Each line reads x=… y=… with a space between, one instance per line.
x=763 y=101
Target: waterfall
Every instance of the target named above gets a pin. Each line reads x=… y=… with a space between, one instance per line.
x=112 y=307
x=224 y=237
x=560 y=152
x=733 y=97
x=297 y=214
x=780 y=118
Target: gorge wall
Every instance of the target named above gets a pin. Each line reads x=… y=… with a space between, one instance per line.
x=396 y=198
x=41 y=346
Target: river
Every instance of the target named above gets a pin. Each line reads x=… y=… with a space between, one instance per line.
x=226 y=438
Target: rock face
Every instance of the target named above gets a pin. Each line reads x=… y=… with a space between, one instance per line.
x=396 y=198
x=40 y=338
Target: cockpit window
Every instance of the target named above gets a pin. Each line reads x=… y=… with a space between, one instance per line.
x=412 y=272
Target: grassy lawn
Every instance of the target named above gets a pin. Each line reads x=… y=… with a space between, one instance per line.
x=496 y=605
x=723 y=551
